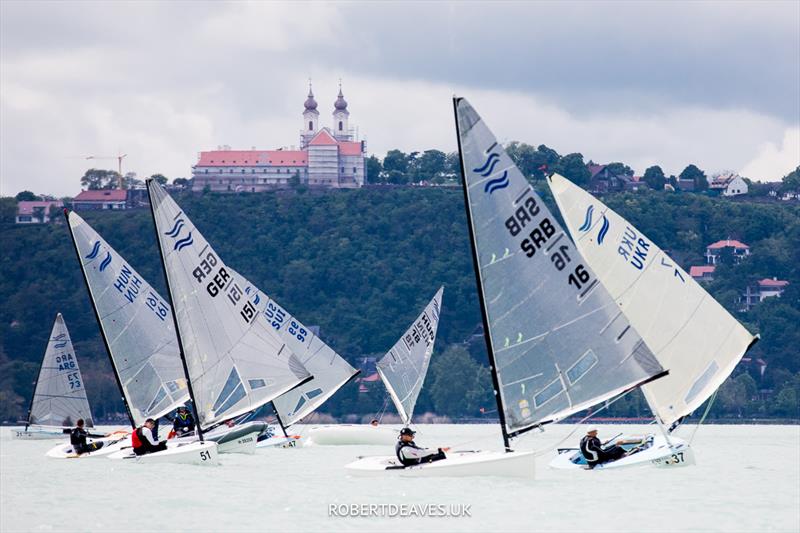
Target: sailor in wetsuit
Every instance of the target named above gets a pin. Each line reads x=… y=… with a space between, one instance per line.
x=77 y=437
x=409 y=454
x=592 y=449
x=143 y=440
x=183 y=423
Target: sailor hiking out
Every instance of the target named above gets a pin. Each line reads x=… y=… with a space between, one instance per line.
x=143 y=440
x=409 y=454
x=594 y=453
x=77 y=437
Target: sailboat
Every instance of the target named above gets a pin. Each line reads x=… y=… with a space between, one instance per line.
x=402 y=370
x=556 y=342
x=59 y=397
x=331 y=372
x=689 y=332
x=234 y=362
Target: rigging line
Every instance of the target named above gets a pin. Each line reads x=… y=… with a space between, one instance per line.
x=702 y=418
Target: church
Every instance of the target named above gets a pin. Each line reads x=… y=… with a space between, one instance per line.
x=329 y=157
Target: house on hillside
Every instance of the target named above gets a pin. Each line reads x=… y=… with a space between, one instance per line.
x=603 y=180
x=35 y=212
x=757 y=292
x=113 y=199
x=728 y=185
x=702 y=273
x=714 y=251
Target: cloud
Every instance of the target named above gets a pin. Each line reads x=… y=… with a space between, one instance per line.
x=774 y=161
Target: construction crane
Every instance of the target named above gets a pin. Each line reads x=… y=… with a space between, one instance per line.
x=119 y=159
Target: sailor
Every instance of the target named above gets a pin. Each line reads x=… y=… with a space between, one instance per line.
x=143 y=441
x=183 y=423
x=593 y=452
x=409 y=454
x=374 y=422
x=77 y=437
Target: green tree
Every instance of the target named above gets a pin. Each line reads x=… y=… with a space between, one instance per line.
x=95 y=179
x=374 y=169
x=8 y=209
x=26 y=196
x=459 y=386
x=654 y=177
x=161 y=179
x=619 y=169
x=524 y=156
x=693 y=173
x=181 y=182
x=791 y=181
x=572 y=167
x=130 y=181
x=430 y=166
x=395 y=160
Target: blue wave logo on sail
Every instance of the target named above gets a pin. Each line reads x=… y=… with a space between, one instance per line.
x=257 y=299
x=183 y=243
x=603 y=230
x=106 y=261
x=488 y=166
x=175 y=229
x=58 y=338
x=95 y=250
x=497 y=183
x=587 y=222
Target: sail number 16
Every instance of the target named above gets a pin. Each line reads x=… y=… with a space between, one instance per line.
x=577 y=277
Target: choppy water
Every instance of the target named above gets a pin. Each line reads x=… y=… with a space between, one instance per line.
x=747 y=478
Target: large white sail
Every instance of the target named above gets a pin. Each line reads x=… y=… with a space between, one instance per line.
x=404 y=367
x=136 y=323
x=690 y=333
x=330 y=371
x=236 y=362
x=59 y=398
x=558 y=341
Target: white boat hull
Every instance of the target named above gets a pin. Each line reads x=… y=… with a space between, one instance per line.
x=41 y=433
x=200 y=453
x=658 y=453
x=350 y=435
x=236 y=439
x=279 y=442
x=110 y=445
x=457 y=464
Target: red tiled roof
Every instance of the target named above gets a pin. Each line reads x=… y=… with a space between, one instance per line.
x=595 y=169
x=350 y=148
x=727 y=243
x=102 y=195
x=27 y=207
x=251 y=158
x=772 y=283
x=699 y=271
x=371 y=378
x=323 y=138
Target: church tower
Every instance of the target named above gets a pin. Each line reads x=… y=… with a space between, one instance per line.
x=310 y=119
x=341 y=130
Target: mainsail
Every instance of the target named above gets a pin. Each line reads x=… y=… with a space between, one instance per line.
x=59 y=398
x=404 y=367
x=557 y=340
x=690 y=333
x=330 y=371
x=136 y=323
x=235 y=362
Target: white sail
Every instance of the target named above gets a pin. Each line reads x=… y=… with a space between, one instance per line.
x=330 y=371
x=136 y=323
x=558 y=341
x=59 y=398
x=404 y=367
x=236 y=362
x=690 y=333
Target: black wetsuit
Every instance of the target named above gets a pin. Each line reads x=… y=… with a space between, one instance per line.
x=77 y=437
x=592 y=450
x=411 y=461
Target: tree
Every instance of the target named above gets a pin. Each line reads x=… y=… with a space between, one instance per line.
x=430 y=166
x=654 y=177
x=524 y=156
x=180 y=182
x=374 y=168
x=453 y=166
x=693 y=173
x=791 y=181
x=95 y=179
x=459 y=386
x=159 y=178
x=572 y=167
x=26 y=196
x=619 y=169
x=8 y=209
x=395 y=160
x=131 y=182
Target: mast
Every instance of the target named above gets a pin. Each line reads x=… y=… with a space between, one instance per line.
x=99 y=323
x=174 y=316
x=487 y=336
x=33 y=394
x=280 y=422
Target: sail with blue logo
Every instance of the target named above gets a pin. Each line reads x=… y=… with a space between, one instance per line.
x=558 y=342
x=236 y=362
x=136 y=323
x=690 y=333
x=59 y=398
x=404 y=367
x=330 y=371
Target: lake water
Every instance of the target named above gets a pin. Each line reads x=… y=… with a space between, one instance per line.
x=747 y=478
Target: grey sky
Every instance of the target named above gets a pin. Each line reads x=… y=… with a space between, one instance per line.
x=716 y=84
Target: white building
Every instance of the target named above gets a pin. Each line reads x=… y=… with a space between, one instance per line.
x=739 y=250
x=759 y=291
x=728 y=184
x=328 y=157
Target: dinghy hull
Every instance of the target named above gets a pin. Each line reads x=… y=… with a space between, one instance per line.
x=351 y=435
x=199 y=453
x=40 y=433
x=656 y=452
x=110 y=445
x=457 y=464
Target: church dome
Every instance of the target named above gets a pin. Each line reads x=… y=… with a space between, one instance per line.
x=340 y=104
x=310 y=103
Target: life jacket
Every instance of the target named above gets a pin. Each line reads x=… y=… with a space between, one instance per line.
x=183 y=423
x=590 y=448
x=77 y=437
x=399 y=446
x=137 y=438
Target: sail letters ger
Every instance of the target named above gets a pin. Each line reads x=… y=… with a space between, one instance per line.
x=690 y=333
x=404 y=367
x=560 y=344
x=137 y=325
x=236 y=362
x=60 y=395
